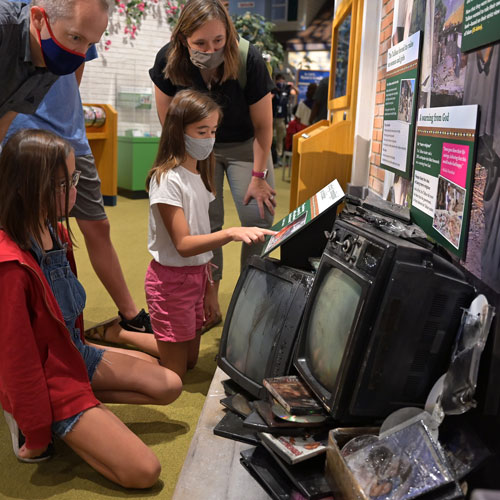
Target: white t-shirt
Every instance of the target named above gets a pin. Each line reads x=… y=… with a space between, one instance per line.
x=181 y=188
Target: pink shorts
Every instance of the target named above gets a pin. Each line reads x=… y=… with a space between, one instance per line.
x=175 y=300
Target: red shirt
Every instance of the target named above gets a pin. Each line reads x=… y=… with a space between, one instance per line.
x=43 y=377
x=293 y=127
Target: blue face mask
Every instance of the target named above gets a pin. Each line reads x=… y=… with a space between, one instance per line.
x=58 y=59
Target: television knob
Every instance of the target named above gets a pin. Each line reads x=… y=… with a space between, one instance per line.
x=347 y=245
x=331 y=236
x=370 y=261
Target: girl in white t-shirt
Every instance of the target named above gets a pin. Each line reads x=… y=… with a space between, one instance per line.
x=178 y=285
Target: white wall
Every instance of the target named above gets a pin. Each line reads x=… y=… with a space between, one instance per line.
x=366 y=93
x=126 y=63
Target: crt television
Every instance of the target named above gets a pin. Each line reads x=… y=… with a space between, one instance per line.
x=262 y=323
x=379 y=324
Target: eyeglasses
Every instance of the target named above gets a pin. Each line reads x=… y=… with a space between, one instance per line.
x=73 y=181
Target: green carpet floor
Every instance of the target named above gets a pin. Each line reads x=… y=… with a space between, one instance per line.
x=167 y=430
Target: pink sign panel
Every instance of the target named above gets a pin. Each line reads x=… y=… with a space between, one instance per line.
x=454 y=159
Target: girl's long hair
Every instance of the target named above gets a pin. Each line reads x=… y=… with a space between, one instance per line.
x=186 y=107
x=193 y=16
x=31 y=165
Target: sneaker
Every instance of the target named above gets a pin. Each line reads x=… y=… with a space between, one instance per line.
x=141 y=323
x=18 y=441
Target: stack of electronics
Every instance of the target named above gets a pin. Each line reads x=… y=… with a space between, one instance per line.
x=288 y=457
x=366 y=333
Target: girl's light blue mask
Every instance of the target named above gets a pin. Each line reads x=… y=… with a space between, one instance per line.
x=58 y=59
x=199 y=149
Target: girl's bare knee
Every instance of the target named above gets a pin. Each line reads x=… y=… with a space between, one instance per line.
x=143 y=474
x=173 y=389
x=169 y=391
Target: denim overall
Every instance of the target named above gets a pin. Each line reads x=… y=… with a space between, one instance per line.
x=70 y=296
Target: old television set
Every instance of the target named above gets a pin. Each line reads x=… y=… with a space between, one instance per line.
x=262 y=322
x=379 y=324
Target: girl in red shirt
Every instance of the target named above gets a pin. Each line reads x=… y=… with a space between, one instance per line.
x=45 y=365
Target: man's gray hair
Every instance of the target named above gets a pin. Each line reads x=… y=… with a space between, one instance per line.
x=57 y=9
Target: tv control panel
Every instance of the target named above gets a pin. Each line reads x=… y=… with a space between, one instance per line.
x=356 y=250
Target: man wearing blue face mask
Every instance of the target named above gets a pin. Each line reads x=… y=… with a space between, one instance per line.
x=68 y=122
x=39 y=42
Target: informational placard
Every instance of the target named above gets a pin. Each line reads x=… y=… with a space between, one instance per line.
x=330 y=195
x=400 y=106
x=481 y=23
x=306 y=77
x=135 y=97
x=444 y=166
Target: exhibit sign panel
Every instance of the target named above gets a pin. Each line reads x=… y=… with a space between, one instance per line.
x=444 y=167
x=400 y=105
x=481 y=23
x=306 y=77
x=332 y=194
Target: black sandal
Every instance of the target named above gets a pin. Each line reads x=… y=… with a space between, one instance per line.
x=98 y=332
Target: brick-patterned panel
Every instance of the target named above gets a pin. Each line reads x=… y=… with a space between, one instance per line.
x=376 y=178
x=126 y=63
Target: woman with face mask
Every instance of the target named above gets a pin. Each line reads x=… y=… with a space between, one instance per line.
x=203 y=54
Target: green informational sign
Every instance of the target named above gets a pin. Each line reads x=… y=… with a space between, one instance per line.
x=481 y=23
x=400 y=105
x=134 y=97
x=330 y=195
x=444 y=167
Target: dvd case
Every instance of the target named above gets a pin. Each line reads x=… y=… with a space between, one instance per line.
x=308 y=477
x=267 y=473
x=293 y=395
x=231 y=427
x=237 y=403
x=295 y=449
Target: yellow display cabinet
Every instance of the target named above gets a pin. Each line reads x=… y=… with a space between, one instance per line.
x=315 y=163
x=324 y=151
x=103 y=141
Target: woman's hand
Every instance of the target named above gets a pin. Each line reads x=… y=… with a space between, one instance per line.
x=263 y=193
x=31 y=453
x=248 y=235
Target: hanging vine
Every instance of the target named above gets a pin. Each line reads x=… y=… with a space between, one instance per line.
x=130 y=13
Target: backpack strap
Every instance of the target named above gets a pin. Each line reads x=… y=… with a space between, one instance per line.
x=243 y=46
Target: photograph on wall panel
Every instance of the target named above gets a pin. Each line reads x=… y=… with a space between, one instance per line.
x=442 y=181
x=448 y=62
x=482 y=86
x=448 y=76
x=409 y=17
x=400 y=105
